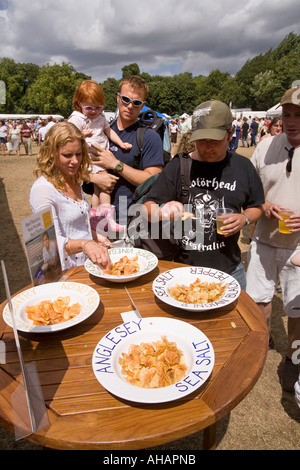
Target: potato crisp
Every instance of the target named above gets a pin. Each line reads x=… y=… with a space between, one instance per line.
x=124 y=267
x=187 y=215
x=198 y=292
x=51 y=313
x=153 y=365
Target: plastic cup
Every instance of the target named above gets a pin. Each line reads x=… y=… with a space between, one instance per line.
x=285 y=214
x=222 y=214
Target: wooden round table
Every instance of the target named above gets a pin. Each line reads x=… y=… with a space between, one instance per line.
x=83 y=415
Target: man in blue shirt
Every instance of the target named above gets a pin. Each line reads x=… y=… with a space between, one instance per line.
x=254 y=130
x=133 y=92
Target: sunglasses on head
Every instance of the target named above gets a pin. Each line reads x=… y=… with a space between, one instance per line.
x=290 y=155
x=127 y=100
x=92 y=108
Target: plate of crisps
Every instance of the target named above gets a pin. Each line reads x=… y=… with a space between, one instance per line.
x=195 y=288
x=153 y=360
x=52 y=307
x=127 y=264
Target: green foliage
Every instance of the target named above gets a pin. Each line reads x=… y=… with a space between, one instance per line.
x=110 y=88
x=259 y=84
x=53 y=90
x=132 y=69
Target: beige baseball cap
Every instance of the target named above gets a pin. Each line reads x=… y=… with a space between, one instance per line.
x=291 y=96
x=211 y=120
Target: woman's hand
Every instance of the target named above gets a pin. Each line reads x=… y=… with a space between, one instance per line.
x=104 y=241
x=97 y=253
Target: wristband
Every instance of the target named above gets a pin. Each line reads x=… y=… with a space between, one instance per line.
x=83 y=246
x=247 y=219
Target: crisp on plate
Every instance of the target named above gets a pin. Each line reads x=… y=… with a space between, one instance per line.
x=79 y=293
x=144 y=261
x=168 y=282
x=196 y=348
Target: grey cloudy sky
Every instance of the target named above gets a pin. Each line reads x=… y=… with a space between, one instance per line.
x=99 y=37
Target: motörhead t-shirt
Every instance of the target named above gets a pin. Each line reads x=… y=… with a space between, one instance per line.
x=232 y=182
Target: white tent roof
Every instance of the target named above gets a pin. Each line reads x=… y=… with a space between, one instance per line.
x=274 y=111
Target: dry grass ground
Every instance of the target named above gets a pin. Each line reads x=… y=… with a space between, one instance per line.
x=267 y=419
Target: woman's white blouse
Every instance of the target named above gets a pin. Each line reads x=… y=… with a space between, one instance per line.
x=71 y=218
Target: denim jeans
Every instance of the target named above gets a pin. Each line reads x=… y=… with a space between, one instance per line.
x=245 y=139
x=239 y=275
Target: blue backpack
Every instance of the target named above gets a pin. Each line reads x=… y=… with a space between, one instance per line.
x=151 y=120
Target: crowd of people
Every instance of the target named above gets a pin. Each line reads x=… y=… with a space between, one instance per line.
x=247 y=131
x=84 y=155
x=14 y=133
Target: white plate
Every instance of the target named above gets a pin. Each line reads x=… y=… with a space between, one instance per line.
x=185 y=276
x=85 y=295
x=147 y=261
x=196 y=347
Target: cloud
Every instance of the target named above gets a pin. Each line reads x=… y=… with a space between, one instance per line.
x=99 y=37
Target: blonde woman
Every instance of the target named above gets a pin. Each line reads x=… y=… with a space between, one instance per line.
x=62 y=166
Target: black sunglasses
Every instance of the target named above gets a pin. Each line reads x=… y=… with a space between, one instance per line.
x=290 y=155
x=127 y=100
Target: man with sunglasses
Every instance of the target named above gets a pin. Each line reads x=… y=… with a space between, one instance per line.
x=277 y=161
x=133 y=92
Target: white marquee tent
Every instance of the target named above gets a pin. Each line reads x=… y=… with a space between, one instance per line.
x=274 y=111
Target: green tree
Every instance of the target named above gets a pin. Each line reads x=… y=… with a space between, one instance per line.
x=110 y=88
x=53 y=90
x=131 y=69
x=210 y=87
x=291 y=43
x=265 y=86
x=17 y=77
x=184 y=89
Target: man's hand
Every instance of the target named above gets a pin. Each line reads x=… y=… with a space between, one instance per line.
x=104 y=157
x=172 y=210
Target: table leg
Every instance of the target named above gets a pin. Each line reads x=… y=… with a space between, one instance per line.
x=209 y=437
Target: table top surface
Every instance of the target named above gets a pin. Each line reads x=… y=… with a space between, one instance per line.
x=83 y=415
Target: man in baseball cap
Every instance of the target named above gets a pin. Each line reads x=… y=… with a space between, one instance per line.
x=277 y=161
x=218 y=179
x=291 y=96
x=211 y=120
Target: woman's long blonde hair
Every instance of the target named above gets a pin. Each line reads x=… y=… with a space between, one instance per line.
x=58 y=136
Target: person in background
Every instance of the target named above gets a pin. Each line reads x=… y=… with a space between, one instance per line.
x=3 y=136
x=62 y=165
x=254 y=131
x=244 y=132
x=238 y=126
x=88 y=116
x=42 y=132
x=14 y=136
x=26 y=137
x=49 y=123
x=275 y=128
x=173 y=129
x=277 y=161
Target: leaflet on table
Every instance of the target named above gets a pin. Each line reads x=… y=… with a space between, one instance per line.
x=40 y=242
